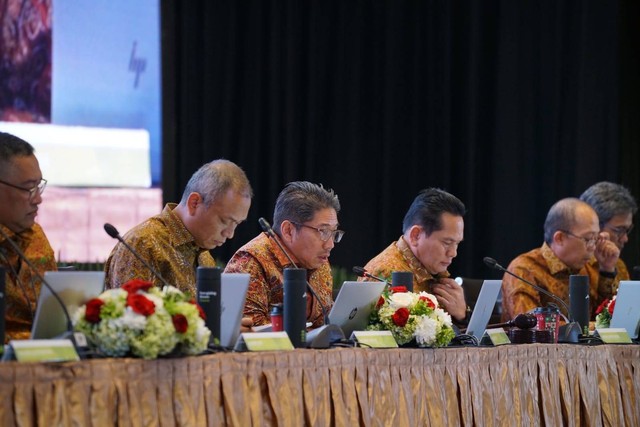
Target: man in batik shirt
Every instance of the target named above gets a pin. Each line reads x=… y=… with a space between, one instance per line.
x=177 y=241
x=21 y=187
x=305 y=221
x=432 y=229
x=615 y=207
x=572 y=238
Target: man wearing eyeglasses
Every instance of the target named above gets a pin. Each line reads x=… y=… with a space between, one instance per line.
x=432 y=229
x=572 y=238
x=615 y=207
x=21 y=187
x=305 y=221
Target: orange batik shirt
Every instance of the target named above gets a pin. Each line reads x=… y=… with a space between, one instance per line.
x=542 y=268
x=22 y=285
x=398 y=257
x=166 y=244
x=265 y=262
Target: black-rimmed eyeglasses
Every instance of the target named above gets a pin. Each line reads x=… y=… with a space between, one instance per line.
x=36 y=190
x=325 y=234
x=621 y=231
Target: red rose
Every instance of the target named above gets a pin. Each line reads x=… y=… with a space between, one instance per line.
x=428 y=302
x=602 y=305
x=141 y=304
x=380 y=302
x=135 y=285
x=180 y=323
x=398 y=289
x=400 y=317
x=92 y=311
x=612 y=306
x=200 y=310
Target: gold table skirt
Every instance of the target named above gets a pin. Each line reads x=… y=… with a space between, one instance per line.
x=527 y=385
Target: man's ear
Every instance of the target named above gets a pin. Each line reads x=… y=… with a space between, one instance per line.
x=414 y=234
x=287 y=228
x=193 y=201
x=558 y=238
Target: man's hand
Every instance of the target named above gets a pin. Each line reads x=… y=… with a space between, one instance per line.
x=607 y=253
x=451 y=297
x=246 y=324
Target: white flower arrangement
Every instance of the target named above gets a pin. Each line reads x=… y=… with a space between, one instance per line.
x=142 y=320
x=412 y=316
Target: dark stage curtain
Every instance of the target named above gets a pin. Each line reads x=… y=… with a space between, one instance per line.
x=508 y=105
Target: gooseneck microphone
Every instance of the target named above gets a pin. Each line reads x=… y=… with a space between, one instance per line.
x=568 y=332
x=492 y=263
x=113 y=232
x=266 y=227
x=360 y=271
x=24 y=258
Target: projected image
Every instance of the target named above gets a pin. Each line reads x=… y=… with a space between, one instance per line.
x=25 y=61
x=88 y=73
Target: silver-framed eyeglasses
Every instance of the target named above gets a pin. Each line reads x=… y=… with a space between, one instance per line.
x=37 y=189
x=621 y=231
x=589 y=241
x=325 y=233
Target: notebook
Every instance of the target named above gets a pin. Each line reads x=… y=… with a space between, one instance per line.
x=484 y=307
x=626 y=313
x=233 y=294
x=74 y=288
x=353 y=305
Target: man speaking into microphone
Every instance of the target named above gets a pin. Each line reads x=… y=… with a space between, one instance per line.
x=572 y=238
x=21 y=187
x=305 y=223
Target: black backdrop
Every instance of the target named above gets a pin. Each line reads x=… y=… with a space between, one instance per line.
x=508 y=105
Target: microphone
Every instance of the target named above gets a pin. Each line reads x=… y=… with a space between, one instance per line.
x=568 y=332
x=113 y=232
x=323 y=336
x=77 y=341
x=360 y=271
x=522 y=321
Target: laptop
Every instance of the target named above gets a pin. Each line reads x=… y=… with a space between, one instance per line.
x=484 y=307
x=74 y=288
x=233 y=291
x=626 y=313
x=353 y=305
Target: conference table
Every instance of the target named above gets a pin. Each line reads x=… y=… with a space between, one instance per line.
x=510 y=385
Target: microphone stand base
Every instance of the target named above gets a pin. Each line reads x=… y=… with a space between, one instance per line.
x=570 y=333
x=324 y=336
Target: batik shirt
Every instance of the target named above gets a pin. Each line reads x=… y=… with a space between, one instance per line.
x=265 y=262
x=398 y=257
x=165 y=243
x=542 y=268
x=22 y=285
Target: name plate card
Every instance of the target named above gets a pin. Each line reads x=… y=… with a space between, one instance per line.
x=374 y=339
x=264 y=341
x=497 y=336
x=44 y=350
x=613 y=335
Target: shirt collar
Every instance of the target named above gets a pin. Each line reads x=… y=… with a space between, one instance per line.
x=179 y=233
x=22 y=239
x=282 y=259
x=419 y=271
x=553 y=262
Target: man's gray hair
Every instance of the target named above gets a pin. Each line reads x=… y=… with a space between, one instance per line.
x=562 y=217
x=214 y=179
x=608 y=200
x=299 y=201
